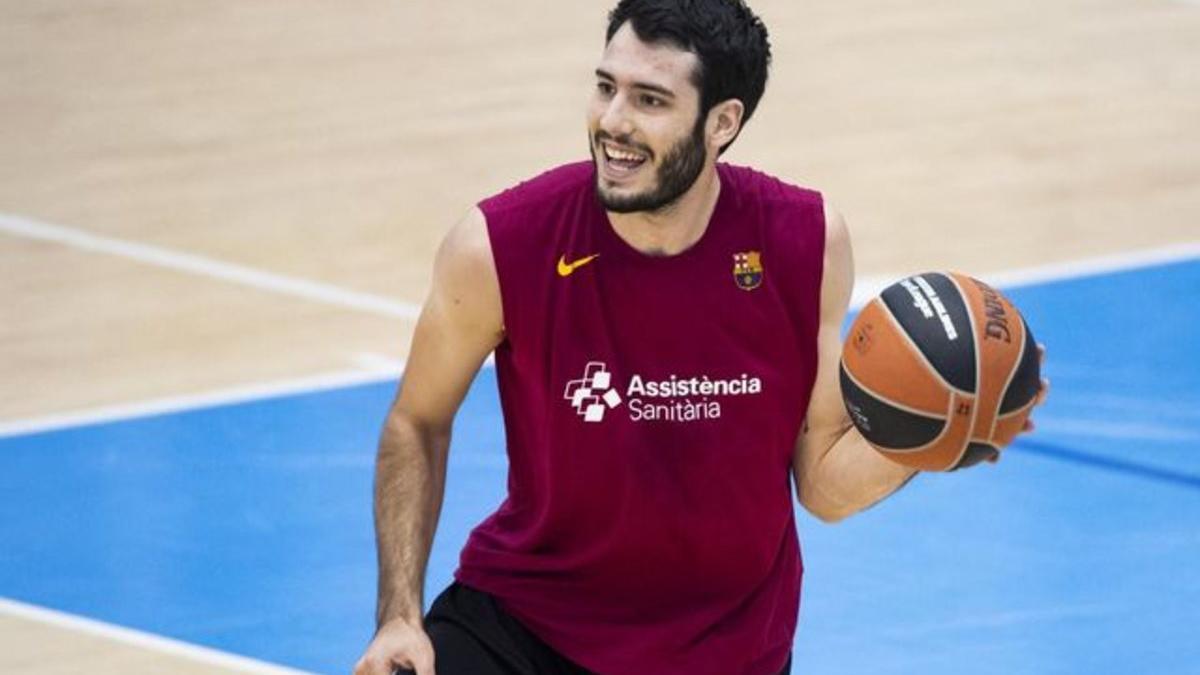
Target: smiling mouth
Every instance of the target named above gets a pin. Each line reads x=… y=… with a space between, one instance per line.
x=621 y=161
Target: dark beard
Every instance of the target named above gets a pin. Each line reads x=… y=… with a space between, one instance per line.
x=680 y=168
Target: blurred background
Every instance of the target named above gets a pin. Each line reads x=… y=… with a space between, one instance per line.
x=228 y=201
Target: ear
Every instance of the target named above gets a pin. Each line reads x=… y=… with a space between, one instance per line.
x=724 y=122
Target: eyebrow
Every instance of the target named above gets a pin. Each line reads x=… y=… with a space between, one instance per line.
x=605 y=75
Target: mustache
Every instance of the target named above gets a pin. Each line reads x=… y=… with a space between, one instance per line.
x=625 y=141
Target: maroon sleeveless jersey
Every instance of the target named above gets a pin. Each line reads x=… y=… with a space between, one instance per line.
x=651 y=407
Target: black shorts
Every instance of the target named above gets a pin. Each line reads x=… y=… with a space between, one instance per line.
x=472 y=636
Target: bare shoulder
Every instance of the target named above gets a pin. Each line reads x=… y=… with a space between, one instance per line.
x=466 y=245
x=465 y=284
x=837 y=234
x=838 y=279
x=460 y=324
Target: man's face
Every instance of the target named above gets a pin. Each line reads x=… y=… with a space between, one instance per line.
x=644 y=126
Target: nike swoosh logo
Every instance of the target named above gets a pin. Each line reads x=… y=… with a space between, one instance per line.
x=566 y=268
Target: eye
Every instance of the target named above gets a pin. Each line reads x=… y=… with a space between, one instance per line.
x=605 y=88
x=651 y=101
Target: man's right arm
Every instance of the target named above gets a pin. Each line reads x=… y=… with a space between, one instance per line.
x=460 y=324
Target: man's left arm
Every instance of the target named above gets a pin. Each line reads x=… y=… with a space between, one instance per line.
x=837 y=473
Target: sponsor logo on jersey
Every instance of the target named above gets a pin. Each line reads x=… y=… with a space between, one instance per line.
x=592 y=395
x=565 y=269
x=667 y=399
x=748 y=270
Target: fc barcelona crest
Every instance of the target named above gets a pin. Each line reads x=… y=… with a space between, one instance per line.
x=748 y=270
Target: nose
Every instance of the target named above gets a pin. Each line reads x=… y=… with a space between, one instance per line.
x=614 y=119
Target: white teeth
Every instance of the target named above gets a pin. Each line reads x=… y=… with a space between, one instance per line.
x=622 y=155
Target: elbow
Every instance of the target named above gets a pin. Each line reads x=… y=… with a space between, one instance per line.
x=829 y=516
x=824 y=510
x=404 y=433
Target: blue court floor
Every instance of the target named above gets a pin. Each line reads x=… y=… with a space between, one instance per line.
x=247 y=528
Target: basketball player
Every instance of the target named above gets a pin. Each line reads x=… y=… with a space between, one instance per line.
x=666 y=332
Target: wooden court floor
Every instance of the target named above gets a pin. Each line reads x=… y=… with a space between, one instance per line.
x=204 y=196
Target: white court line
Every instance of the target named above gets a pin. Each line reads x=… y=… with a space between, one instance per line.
x=376 y=368
x=373 y=369
x=253 y=392
x=207 y=267
x=869 y=286
x=386 y=365
x=378 y=363
x=136 y=638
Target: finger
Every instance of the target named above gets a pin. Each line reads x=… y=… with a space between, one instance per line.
x=423 y=663
x=371 y=666
x=365 y=667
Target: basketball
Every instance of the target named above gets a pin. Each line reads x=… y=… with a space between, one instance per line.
x=939 y=371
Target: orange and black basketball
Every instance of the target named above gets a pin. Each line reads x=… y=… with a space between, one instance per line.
x=939 y=371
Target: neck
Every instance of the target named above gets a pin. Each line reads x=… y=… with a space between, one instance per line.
x=676 y=227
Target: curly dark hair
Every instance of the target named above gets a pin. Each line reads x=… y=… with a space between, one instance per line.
x=729 y=39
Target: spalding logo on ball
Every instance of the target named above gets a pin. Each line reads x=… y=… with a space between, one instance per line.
x=939 y=371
